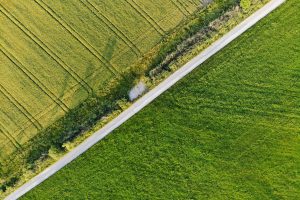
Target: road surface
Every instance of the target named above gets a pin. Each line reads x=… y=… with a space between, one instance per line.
x=147 y=98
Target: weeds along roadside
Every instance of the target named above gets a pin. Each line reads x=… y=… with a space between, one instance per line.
x=185 y=41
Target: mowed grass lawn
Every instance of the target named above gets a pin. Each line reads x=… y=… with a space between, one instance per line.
x=229 y=130
x=56 y=54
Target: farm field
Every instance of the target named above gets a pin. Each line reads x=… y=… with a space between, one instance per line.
x=228 y=130
x=56 y=54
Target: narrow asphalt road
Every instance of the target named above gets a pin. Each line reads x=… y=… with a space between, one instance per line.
x=147 y=98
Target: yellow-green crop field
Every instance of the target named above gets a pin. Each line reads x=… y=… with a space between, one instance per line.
x=54 y=54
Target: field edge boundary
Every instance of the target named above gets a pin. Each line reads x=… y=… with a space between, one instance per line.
x=148 y=98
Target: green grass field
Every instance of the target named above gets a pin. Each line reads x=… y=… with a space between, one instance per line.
x=55 y=54
x=229 y=130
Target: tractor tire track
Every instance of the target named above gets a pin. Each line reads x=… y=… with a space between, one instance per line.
x=183 y=11
x=20 y=107
x=47 y=50
x=111 y=26
x=78 y=37
x=46 y=112
x=34 y=79
x=12 y=140
x=146 y=16
x=19 y=130
x=10 y=119
x=194 y=3
x=183 y=6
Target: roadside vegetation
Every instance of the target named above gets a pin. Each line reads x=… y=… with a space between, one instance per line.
x=61 y=72
x=230 y=129
x=103 y=101
x=71 y=58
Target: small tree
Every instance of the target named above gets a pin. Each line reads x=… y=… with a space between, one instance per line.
x=245 y=5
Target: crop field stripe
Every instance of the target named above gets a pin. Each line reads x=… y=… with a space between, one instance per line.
x=6 y=133
x=141 y=38
x=182 y=4
x=2 y=157
x=189 y=2
x=197 y=5
x=150 y=20
x=179 y=7
x=111 y=26
x=43 y=113
x=19 y=130
x=20 y=107
x=34 y=79
x=194 y=3
x=78 y=37
x=47 y=50
x=10 y=119
x=38 y=116
x=146 y=16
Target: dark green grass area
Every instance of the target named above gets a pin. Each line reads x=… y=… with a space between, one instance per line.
x=229 y=130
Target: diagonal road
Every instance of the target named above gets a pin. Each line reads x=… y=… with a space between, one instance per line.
x=147 y=98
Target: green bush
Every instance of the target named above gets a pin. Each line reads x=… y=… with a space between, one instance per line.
x=245 y=5
x=9 y=183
